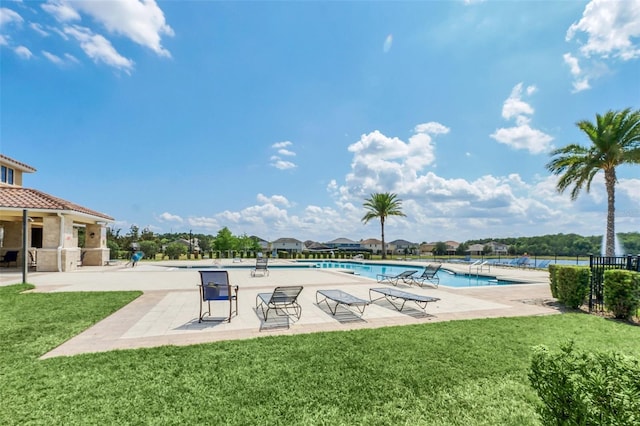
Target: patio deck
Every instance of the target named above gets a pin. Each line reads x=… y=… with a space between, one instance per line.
x=167 y=312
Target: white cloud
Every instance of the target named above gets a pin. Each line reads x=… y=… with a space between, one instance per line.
x=274 y=200
x=607 y=29
x=168 y=217
x=610 y=27
x=8 y=16
x=140 y=21
x=283 y=144
x=286 y=152
x=431 y=128
x=277 y=161
x=388 y=42
x=521 y=136
x=4 y=41
x=53 y=58
x=524 y=137
x=514 y=106
x=71 y=58
x=38 y=28
x=573 y=63
x=23 y=52
x=579 y=83
x=207 y=223
x=68 y=58
x=382 y=163
x=61 y=11
x=280 y=164
x=99 y=48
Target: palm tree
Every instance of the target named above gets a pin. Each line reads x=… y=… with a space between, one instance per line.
x=615 y=140
x=382 y=205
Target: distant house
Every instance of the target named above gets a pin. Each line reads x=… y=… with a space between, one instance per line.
x=498 y=248
x=476 y=249
x=193 y=245
x=372 y=244
x=427 y=248
x=314 y=246
x=290 y=245
x=52 y=224
x=452 y=246
x=343 y=244
x=401 y=246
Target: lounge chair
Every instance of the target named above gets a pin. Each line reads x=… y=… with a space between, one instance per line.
x=261 y=266
x=10 y=257
x=429 y=275
x=542 y=264
x=214 y=285
x=393 y=279
x=523 y=262
x=283 y=299
x=394 y=295
x=340 y=297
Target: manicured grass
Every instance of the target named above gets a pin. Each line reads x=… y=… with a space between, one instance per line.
x=452 y=373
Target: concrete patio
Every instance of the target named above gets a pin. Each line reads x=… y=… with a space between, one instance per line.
x=167 y=312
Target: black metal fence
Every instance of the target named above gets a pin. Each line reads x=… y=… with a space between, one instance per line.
x=598 y=265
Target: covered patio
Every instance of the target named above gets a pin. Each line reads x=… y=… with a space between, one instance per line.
x=46 y=230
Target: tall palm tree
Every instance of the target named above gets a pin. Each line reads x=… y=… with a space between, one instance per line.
x=382 y=205
x=615 y=140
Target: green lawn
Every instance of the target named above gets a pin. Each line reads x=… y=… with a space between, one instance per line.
x=452 y=373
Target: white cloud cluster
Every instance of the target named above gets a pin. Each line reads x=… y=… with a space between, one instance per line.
x=607 y=29
x=139 y=21
x=282 y=149
x=437 y=208
x=9 y=19
x=9 y=16
x=382 y=163
x=522 y=135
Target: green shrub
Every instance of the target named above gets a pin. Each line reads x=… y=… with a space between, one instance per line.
x=572 y=284
x=622 y=292
x=586 y=388
x=150 y=248
x=174 y=250
x=114 y=249
x=552 y=281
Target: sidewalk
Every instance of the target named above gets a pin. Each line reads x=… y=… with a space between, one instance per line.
x=167 y=312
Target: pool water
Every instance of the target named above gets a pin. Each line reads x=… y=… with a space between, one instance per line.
x=447 y=278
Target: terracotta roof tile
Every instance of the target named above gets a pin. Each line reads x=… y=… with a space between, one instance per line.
x=25 y=198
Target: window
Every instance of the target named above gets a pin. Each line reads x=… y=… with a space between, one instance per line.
x=6 y=175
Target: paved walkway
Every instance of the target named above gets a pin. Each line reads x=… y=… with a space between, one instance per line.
x=167 y=312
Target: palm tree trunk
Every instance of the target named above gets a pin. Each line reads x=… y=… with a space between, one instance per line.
x=610 y=182
x=384 y=248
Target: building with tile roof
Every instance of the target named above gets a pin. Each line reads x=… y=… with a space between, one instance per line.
x=52 y=224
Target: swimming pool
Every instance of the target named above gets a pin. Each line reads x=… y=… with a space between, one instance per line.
x=447 y=278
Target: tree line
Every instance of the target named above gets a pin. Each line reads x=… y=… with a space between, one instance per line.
x=225 y=240
x=564 y=244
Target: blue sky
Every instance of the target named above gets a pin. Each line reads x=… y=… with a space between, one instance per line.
x=278 y=119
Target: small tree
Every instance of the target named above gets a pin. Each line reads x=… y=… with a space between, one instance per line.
x=382 y=205
x=150 y=248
